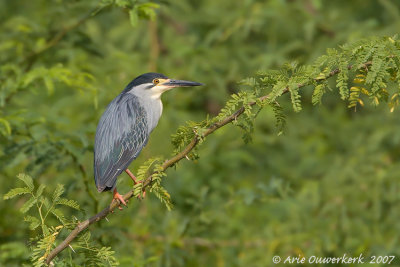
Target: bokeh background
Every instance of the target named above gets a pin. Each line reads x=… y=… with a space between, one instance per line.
x=328 y=186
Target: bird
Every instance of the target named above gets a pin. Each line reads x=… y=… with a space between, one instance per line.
x=125 y=126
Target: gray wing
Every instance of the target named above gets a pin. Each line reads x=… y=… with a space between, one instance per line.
x=121 y=134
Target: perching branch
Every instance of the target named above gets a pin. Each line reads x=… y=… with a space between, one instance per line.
x=171 y=162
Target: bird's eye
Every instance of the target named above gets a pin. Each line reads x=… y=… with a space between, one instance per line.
x=156 y=81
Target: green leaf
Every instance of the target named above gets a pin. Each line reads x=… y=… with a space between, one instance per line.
x=46 y=202
x=105 y=254
x=6 y=130
x=342 y=77
x=295 y=97
x=147 y=10
x=45 y=230
x=146 y=167
x=40 y=189
x=280 y=117
x=133 y=16
x=27 y=180
x=48 y=81
x=34 y=222
x=163 y=195
x=85 y=237
x=68 y=202
x=27 y=205
x=319 y=91
x=122 y=3
x=29 y=77
x=16 y=192
x=58 y=192
x=59 y=215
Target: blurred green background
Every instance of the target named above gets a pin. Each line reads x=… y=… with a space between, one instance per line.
x=328 y=186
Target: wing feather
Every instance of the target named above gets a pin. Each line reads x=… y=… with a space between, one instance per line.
x=121 y=134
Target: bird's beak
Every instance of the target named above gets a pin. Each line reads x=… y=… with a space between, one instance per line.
x=180 y=83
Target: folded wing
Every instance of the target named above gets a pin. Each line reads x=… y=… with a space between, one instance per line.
x=121 y=134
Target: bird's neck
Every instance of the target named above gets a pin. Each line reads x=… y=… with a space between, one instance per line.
x=153 y=108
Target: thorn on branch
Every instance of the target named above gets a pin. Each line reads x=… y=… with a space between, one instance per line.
x=71 y=248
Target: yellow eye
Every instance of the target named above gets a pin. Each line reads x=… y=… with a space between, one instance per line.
x=156 y=81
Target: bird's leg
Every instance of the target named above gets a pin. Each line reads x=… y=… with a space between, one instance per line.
x=135 y=181
x=119 y=197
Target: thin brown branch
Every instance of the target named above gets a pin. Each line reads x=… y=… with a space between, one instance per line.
x=167 y=164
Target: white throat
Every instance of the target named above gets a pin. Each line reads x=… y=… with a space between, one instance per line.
x=151 y=101
x=158 y=90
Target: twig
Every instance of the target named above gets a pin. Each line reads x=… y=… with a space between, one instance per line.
x=167 y=164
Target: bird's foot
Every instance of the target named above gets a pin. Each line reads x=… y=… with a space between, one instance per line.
x=117 y=196
x=143 y=195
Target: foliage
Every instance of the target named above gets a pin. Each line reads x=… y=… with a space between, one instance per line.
x=45 y=239
x=154 y=168
x=268 y=86
x=327 y=186
x=45 y=206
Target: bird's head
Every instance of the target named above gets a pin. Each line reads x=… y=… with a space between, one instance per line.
x=154 y=84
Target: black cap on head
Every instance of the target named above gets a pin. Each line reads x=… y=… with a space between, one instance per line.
x=145 y=78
